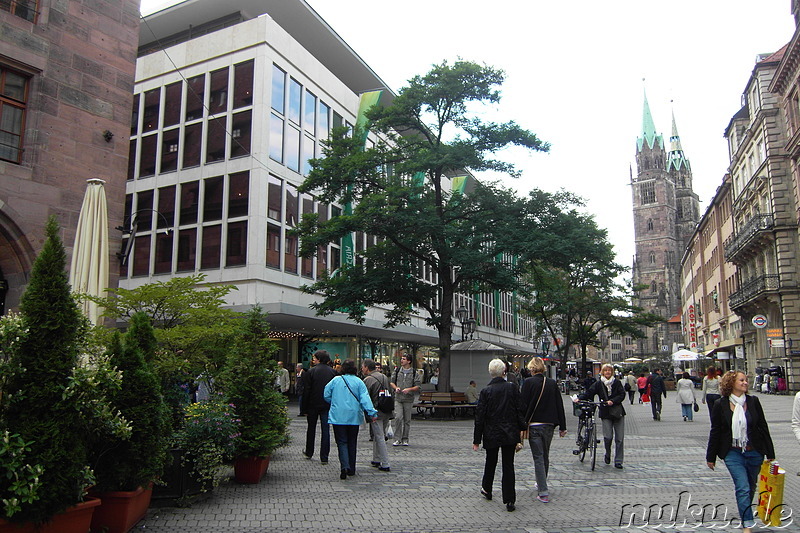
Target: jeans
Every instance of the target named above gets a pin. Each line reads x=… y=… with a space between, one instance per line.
x=311 y=433
x=540 y=436
x=614 y=430
x=744 y=468
x=710 y=399
x=655 y=404
x=347 y=442
x=379 y=451
x=686 y=410
x=509 y=492
x=402 y=416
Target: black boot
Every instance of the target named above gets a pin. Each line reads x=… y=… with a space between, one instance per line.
x=607 y=458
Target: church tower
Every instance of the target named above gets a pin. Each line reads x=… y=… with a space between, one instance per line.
x=665 y=214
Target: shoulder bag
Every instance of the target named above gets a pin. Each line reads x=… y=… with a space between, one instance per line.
x=615 y=411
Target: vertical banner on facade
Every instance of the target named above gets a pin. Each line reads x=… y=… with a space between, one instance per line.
x=459 y=184
x=366 y=101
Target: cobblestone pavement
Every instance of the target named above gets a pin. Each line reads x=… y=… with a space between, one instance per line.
x=434 y=484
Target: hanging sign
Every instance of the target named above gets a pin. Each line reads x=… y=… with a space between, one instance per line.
x=760 y=321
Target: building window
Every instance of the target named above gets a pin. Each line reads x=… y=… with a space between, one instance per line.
x=647 y=192
x=243 y=84
x=241 y=128
x=195 y=92
x=26 y=9
x=212 y=199
x=163 y=262
x=274 y=191
x=212 y=238
x=152 y=103
x=172 y=104
x=187 y=249
x=273 y=246
x=13 y=103
x=652 y=258
x=650 y=224
x=236 y=250
x=238 y=194
x=218 y=95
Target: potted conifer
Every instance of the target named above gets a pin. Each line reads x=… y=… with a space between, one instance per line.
x=248 y=381
x=126 y=468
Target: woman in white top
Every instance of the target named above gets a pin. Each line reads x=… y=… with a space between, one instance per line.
x=685 y=393
x=711 y=388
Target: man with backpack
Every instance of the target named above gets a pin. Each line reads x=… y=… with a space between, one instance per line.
x=314 y=405
x=405 y=383
x=657 y=389
x=381 y=395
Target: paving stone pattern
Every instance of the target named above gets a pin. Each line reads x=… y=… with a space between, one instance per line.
x=434 y=484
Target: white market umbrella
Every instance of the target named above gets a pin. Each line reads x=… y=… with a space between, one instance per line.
x=684 y=355
x=88 y=272
x=631 y=361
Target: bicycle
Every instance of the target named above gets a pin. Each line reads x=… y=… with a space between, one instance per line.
x=587 y=430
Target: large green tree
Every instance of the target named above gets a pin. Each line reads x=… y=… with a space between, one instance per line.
x=401 y=193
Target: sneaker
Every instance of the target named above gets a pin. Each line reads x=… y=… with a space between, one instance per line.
x=384 y=469
x=405 y=443
x=607 y=459
x=618 y=465
x=487 y=495
x=510 y=507
x=307 y=456
x=396 y=443
x=323 y=461
x=376 y=464
x=543 y=499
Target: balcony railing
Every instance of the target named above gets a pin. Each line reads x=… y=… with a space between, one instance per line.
x=753 y=288
x=735 y=243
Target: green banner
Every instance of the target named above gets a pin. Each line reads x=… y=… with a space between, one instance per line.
x=459 y=184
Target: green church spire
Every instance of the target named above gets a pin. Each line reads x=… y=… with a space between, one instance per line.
x=675 y=157
x=649 y=136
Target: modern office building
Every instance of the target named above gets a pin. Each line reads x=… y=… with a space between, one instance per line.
x=66 y=77
x=231 y=101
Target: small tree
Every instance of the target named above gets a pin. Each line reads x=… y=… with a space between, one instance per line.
x=249 y=384
x=40 y=409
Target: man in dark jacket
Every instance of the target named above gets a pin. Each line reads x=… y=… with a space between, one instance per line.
x=314 y=405
x=657 y=389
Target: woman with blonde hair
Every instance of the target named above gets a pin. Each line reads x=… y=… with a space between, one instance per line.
x=541 y=402
x=612 y=413
x=740 y=437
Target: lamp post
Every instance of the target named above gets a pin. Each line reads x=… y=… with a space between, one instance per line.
x=468 y=325
x=133 y=226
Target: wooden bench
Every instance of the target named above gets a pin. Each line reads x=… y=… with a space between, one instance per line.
x=453 y=403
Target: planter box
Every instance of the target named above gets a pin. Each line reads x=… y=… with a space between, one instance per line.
x=249 y=470
x=120 y=510
x=76 y=519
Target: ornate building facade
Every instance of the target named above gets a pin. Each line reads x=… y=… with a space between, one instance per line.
x=665 y=213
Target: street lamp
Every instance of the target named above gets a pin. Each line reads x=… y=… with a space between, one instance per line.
x=133 y=226
x=468 y=325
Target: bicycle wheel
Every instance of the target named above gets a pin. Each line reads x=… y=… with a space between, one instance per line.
x=584 y=438
x=593 y=445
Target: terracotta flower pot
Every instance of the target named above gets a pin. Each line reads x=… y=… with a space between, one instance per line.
x=120 y=510
x=76 y=519
x=249 y=469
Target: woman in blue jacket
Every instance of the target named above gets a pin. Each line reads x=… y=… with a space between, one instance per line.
x=349 y=401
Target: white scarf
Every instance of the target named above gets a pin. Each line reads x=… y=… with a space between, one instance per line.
x=608 y=383
x=739 y=422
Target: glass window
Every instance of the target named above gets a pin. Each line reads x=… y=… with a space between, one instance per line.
x=295 y=93
x=147 y=159
x=276 y=138
x=169 y=150
x=166 y=206
x=26 y=9
x=212 y=240
x=187 y=249
x=292 y=148
x=274 y=198
x=13 y=103
x=236 y=253
x=218 y=95
x=152 y=102
x=195 y=93
x=144 y=211
x=128 y=207
x=307 y=263
x=215 y=143
x=322 y=259
x=323 y=120
x=648 y=192
x=338 y=122
x=291 y=205
x=132 y=160
x=243 y=84
x=212 y=199
x=163 y=259
x=189 y=202
x=290 y=264
x=192 y=139
x=273 y=246
x=308 y=154
x=135 y=115
x=172 y=104
x=238 y=193
x=278 y=89
x=241 y=133
x=310 y=113
x=141 y=255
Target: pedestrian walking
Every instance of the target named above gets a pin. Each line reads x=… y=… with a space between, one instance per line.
x=498 y=423
x=544 y=410
x=710 y=391
x=657 y=389
x=740 y=437
x=405 y=383
x=641 y=383
x=612 y=414
x=631 y=386
x=350 y=402
x=298 y=384
x=684 y=390
x=376 y=384
x=314 y=405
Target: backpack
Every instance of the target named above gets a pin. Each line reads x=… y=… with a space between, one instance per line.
x=385 y=403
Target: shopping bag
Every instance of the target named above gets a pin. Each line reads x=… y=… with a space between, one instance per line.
x=645 y=398
x=770 y=493
x=389 y=430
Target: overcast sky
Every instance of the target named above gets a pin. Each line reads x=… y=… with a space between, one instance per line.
x=574 y=77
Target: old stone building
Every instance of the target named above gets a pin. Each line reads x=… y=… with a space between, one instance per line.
x=665 y=213
x=66 y=80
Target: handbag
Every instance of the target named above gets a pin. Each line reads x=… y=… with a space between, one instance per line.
x=695 y=406
x=615 y=412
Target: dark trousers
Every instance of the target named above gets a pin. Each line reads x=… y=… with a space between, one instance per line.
x=347 y=442
x=710 y=399
x=509 y=492
x=311 y=434
x=631 y=394
x=655 y=404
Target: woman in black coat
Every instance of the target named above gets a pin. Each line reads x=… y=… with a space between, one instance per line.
x=498 y=422
x=740 y=437
x=611 y=393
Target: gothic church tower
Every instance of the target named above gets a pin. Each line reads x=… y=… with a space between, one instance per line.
x=665 y=214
